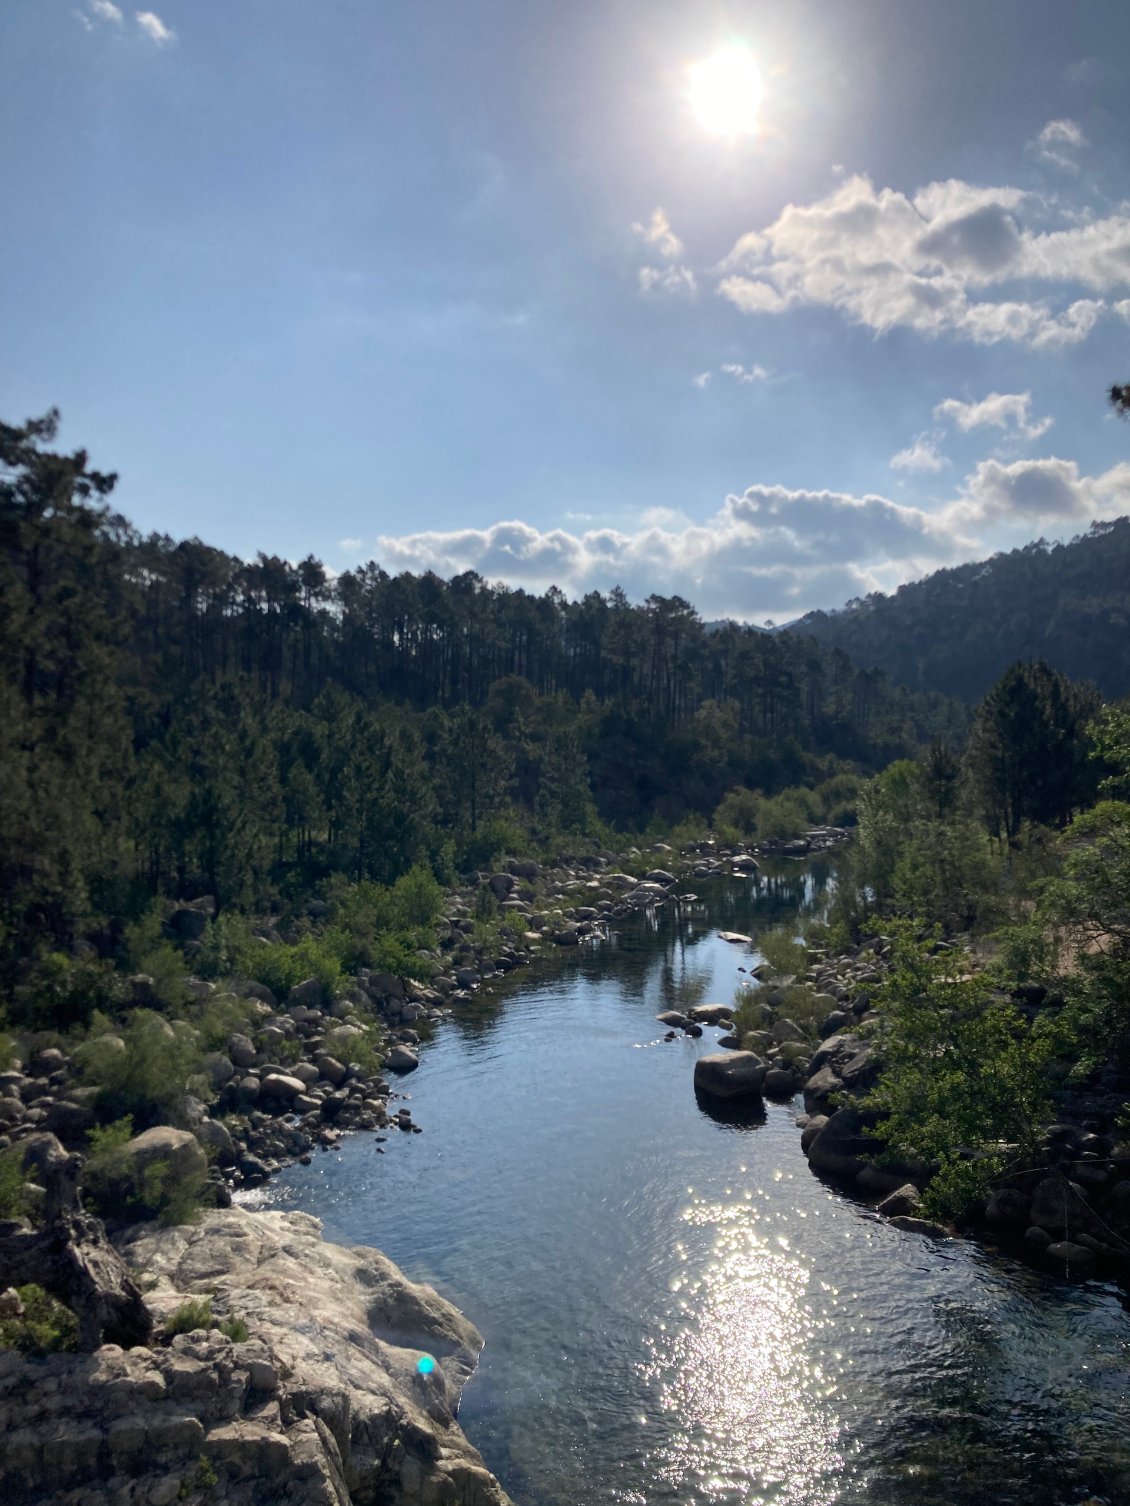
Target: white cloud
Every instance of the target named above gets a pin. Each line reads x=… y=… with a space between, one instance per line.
x=83 y=20
x=884 y=259
x=105 y=11
x=1123 y=307
x=702 y=380
x=922 y=455
x=672 y=281
x=659 y=235
x=1000 y=410
x=767 y=551
x=1059 y=143
x=745 y=375
x=351 y=546
x=154 y=28
x=1031 y=492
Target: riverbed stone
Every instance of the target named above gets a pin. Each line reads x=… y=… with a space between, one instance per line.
x=730 y=1075
x=712 y=1014
x=402 y=1059
x=842 y=1146
x=904 y=1202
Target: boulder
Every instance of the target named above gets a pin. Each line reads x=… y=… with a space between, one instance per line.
x=780 y=1082
x=330 y=1068
x=672 y=1019
x=735 y=937
x=659 y=876
x=281 y=1086
x=1060 y=1207
x=242 y=1051
x=786 y=1030
x=904 y=1202
x=387 y=985
x=402 y=1059
x=811 y=1130
x=309 y=991
x=176 y=1150
x=1007 y=1208
x=713 y=1014
x=188 y=924
x=820 y=1089
x=841 y=1147
x=1076 y=1260
x=216 y=1137
x=730 y=1074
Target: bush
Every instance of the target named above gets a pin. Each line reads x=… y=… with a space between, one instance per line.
x=781 y=950
x=47 y=1327
x=140 y=1070
x=115 y=1191
x=64 y=993
x=192 y=1314
x=14 y=1199
x=147 y=950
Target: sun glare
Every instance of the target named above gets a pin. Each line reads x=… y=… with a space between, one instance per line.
x=725 y=91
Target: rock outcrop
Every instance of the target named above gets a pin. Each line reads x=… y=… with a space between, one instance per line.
x=325 y=1402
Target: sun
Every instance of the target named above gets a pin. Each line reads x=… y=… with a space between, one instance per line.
x=725 y=91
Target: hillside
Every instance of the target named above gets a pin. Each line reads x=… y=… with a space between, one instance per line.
x=957 y=631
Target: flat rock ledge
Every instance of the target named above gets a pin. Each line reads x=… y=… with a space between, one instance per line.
x=323 y=1403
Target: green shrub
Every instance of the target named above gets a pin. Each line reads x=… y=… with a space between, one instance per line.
x=64 y=993
x=114 y=1190
x=14 y=1199
x=235 y=1329
x=47 y=1327
x=142 y=1069
x=219 y=1017
x=192 y=1314
x=147 y=950
x=783 y=952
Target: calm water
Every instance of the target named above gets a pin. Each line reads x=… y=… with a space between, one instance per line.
x=676 y=1309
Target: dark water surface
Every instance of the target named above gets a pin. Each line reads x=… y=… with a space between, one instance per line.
x=676 y=1309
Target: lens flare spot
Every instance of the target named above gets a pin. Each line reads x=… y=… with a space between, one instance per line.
x=425 y=1364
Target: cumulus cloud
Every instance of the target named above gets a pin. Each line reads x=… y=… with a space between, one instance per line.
x=105 y=11
x=701 y=380
x=1059 y=143
x=767 y=551
x=659 y=235
x=922 y=455
x=1122 y=307
x=154 y=28
x=669 y=281
x=1037 y=492
x=1000 y=410
x=744 y=375
x=884 y=260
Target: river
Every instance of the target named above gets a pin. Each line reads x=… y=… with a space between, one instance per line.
x=676 y=1309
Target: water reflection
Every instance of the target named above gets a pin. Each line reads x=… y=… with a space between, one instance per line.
x=676 y=1311
x=737 y=1372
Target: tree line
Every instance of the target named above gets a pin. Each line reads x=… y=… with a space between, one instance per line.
x=176 y=721
x=958 y=630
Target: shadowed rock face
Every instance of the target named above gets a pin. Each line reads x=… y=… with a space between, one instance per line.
x=323 y=1403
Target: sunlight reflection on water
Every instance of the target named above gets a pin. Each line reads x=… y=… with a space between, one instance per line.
x=738 y=1373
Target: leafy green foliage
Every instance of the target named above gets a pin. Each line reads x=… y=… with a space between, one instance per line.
x=46 y=1327
x=141 y=1069
x=14 y=1200
x=964 y=1083
x=192 y=1314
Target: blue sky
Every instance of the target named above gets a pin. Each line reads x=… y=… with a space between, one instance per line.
x=462 y=285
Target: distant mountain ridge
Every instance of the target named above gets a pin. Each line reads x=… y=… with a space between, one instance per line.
x=957 y=630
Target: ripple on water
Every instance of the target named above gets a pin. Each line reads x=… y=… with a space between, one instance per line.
x=675 y=1309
